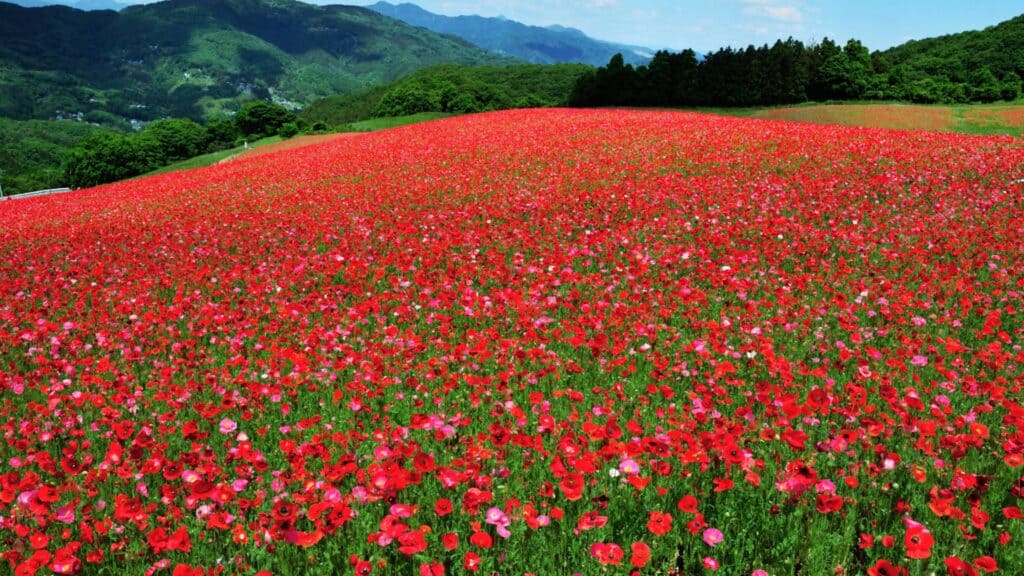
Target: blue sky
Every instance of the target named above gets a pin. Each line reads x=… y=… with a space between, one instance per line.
x=709 y=24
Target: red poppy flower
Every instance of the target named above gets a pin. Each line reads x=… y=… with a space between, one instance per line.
x=659 y=523
x=918 y=541
x=608 y=554
x=886 y=568
x=471 y=561
x=641 y=554
x=571 y=486
x=986 y=564
x=957 y=567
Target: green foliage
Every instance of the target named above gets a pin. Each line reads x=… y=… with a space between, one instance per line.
x=221 y=133
x=31 y=152
x=288 y=130
x=963 y=59
x=108 y=157
x=1011 y=87
x=985 y=87
x=844 y=78
x=452 y=89
x=970 y=67
x=924 y=91
x=261 y=118
x=202 y=58
x=406 y=100
x=179 y=138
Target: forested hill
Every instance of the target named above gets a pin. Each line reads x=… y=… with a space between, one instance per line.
x=982 y=66
x=955 y=57
x=197 y=58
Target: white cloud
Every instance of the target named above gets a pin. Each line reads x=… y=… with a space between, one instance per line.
x=775 y=9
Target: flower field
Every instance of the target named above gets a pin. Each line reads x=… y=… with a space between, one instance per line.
x=532 y=342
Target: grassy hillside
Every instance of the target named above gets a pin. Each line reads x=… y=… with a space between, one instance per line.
x=197 y=58
x=456 y=89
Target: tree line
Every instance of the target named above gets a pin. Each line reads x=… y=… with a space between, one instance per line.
x=457 y=89
x=110 y=156
x=787 y=72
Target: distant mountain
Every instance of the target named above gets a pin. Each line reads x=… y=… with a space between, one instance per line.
x=79 y=4
x=540 y=45
x=199 y=58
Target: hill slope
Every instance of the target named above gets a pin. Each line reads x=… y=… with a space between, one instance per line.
x=197 y=57
x=531 y=43
x=955 y=57
x=454 y=89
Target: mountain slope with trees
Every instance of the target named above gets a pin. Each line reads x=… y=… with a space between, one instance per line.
x=982 y=66
x=452 y=89
x=942 y=67
x=536 y=44
x=199 y=58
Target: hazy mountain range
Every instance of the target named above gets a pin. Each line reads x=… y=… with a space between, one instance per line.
x=540 y=45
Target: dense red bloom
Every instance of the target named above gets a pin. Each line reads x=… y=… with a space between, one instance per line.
x=918 y=541
x=886 y=568
x=688 y=504
x=481 y=540
x=432 y=569
x=659 y=523
x=641 y=554
x=591 y=520
x=443 y=507
x=507 y=326
x=412 y=542
x=571 y=486
x=609 y=554
x=957 y=567
x=471 y=561
x=986 y=564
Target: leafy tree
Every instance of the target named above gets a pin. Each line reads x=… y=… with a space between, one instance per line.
x=221 y=133
x=108 y=157
x=463 y=103
x=405 y=100
x=288 y=130
x=924 y=91
x=843 y=78
x=179 y=138
x=984 y=87
x=857 y=52
x=1011 y=87
x=262 y=118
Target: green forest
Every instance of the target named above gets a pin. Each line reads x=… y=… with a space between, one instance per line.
x=983 y=66
x=454 y=89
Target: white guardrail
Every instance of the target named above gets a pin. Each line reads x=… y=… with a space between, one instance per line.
x=36 y=193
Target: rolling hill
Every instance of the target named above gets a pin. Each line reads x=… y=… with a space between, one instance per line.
x=540 y=45
x=197 y=58
x=954 y=57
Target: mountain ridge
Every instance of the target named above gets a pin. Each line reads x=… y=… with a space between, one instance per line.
x=535 y=44
x=200 y=58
